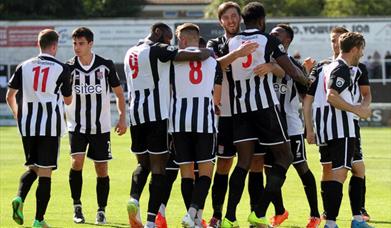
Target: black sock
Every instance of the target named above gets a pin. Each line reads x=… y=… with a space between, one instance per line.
x=43 y=195
x=219 y=189
x=187 y=185
x=26 y=180
x=200 y=192
x=76 y=183
x=157 y=185
x=236 y=186
x=325 y=200
x=139 y=179
x=102 y=191
x=333 y=191
x=255 y=188
x=355 y=194
x=274 y=181
x=171 y=177
x=278 y=203
x=309 y=184
x=364 y=190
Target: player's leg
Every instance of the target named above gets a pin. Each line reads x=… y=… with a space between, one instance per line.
x=47 y=153
x=25 y=182
x=255 y=177
x=326 y=176
x=78 y=143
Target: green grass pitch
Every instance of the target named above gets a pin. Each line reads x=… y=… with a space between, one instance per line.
x=377 y=153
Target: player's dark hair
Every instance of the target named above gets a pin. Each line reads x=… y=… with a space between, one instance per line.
x=287 y=29
x=339 y=30
x=159 y=25
x=47 y=37
x=349 y=40
x=83 y=32
x=225 y=6
x=252 y=12
x=202 y=42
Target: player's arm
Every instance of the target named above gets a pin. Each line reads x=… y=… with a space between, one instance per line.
x=218 y=88
x=307 y=112
x=11 y=101
x=266 y=68
x=199 y=55
x=294 y=72
x=365 y=89
x=65 y=80
x=113 y=79
x=244 y=49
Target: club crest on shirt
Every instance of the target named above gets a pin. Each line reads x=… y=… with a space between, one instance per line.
x=340 y=81
x=281 y=47
x=170 y=48
x=99 y=75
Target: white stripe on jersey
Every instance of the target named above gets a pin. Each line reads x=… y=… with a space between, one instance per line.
x=192 y=108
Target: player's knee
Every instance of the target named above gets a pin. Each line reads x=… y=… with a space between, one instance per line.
x=223 y=165
x=358 y=169
x=101 y=169
x=301 y=168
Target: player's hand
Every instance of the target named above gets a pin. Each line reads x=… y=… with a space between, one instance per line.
x=217 y=110
x=308 y=64
x=121 y=126
x=263 y=69
x=364 y=111
x=310 y=136
x=246 y=48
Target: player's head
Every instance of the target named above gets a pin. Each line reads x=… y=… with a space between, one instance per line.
x=188 y=35
x=352 y=43
x=254 y=15
x=161 y=32
x=83 y=39
x=334 y=35
x=284 y=33
x=229 y=17
x=48 y=41
x=202 y=42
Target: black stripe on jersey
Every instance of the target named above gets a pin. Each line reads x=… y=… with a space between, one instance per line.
x=268 y=93
x=325 y=117
x=98 y=104
x=334 y=129
x=282 y=99
x=212 y=114
x=58 y=121
x=49 y=110
x=238 y=94
x=38 y=119
x=194 y=115
x=78 y=103
x=247 y=96
x=155 y=75
x=345 y=123
x=172 y=78
x=19 y=99
x=231 y=90
x=136 y=103
x=317 y=121
x=107 y=73
x=206 y=105
x=156 y=102
x=29 y=115
x=182 y=115
x=88 y=106
x=145 y=105
x=258 y=99
x=294 y=92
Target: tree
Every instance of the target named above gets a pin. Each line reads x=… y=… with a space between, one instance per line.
x=343 y=8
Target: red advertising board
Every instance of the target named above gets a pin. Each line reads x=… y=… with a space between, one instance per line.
x=20 y=36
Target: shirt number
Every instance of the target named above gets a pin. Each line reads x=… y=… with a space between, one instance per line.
x=195 y=67
x=133 y=64
x=45 y=71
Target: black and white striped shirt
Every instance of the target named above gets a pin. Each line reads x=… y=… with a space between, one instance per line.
x=192 y=106
x=339 y=123
x=40 y=81
x=288 y=92
x=253 y=92
x=147 y=69
x=89 y=112
x=226 y=103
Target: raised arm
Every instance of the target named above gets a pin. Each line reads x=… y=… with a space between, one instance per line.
x=243 y=50
x=294 y=72
x=200 y=55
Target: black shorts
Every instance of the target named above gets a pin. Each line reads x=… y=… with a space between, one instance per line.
x=357 y=156
x=298 y=149
x=341 y=152
x=264 y=125
x=225 y=142
x=150 y=137
x=325 y=157
x=99 y=147
x=171 y=165
x=41 y=151
x=194 y=147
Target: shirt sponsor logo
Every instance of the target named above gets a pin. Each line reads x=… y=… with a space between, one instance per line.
x=88 y=89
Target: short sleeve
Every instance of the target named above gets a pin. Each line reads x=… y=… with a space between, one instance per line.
x=113 y=76
x=363 y=80
x=165 y=52
x=66 y=82
x=276 y=47
x=219 y=74
x=339 y=78
x=16 y=79
x=314 y=76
